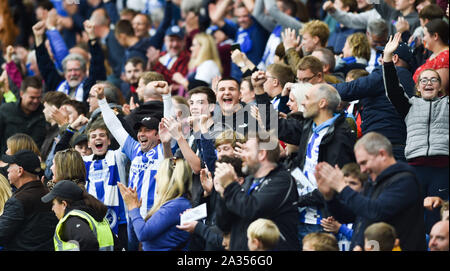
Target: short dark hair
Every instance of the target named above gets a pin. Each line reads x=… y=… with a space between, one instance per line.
x=124 y=27
x=290 y=4
x=236 y=162
x=136 y=61
x=56 y=98
x=97 y=124
x=353 y=170
x=31 y=81
x=204 y=90
x=312 y=63
x=229 y=78
x=248 y=79
x=431 y=12
x=45 y=4
x=440 y=27
x=80 y=107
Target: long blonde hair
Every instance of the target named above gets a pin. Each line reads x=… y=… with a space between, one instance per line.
x=21 y=141
x=173 y=180
x=5 y=192
x=208 y=51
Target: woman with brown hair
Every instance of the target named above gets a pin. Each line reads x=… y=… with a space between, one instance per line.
x=68 y=165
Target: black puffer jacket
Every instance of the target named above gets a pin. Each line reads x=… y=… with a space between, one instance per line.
x=273 y=199
x=28 y=224
x=336 y=146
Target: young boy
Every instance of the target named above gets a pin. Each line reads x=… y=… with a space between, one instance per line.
x=104 y=169
x=262 y=235
x=320 y=241
x=381 y=237
x=355 y=180
x=226 y=142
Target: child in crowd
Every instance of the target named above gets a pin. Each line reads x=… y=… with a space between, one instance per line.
x=104 y=169
x=355 y=179
x=381 y=237
x=263 y=235
x=320 y=241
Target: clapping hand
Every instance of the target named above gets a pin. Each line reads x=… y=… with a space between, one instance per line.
x=164 y=134
x=331 y=176
x=224 y=174
x=173 y=126
x=206 y=181
x=330 y=224
x=129 y=196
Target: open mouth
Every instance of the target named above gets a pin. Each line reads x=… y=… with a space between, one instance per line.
x=227 y=101
x=99 y=146
x=143 y=140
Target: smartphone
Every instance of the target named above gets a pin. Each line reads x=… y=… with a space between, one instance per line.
x=235 y=46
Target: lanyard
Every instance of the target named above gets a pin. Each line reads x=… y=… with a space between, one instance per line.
x=254 y=185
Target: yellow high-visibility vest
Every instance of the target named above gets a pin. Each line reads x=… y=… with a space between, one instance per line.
x=101 y=230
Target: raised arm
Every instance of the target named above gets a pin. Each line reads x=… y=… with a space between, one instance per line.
x=97 y=70
x=394 y=90
x=281 y=17
x=265 y=20
x=46 y=66
x=112 y=122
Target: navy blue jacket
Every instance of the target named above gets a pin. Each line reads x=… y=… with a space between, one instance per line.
x=399 y=203
x=378 y=114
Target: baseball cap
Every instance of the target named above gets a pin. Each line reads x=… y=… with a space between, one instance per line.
x=175 y=30
x=64 y=189
x=79 y=139
x=403 y=51
x=151 y=123
x=26 y=159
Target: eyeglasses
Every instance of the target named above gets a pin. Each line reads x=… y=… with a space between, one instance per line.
x=433 y=80
x=306 y=79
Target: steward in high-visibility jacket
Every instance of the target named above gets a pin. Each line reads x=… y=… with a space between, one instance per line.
x=82 y=219
x=101 y=230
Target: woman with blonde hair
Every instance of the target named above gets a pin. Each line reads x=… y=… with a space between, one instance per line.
x=204 y=64
x=158 y=231
x=355 y=54
x=5 y=192
x=68 y=165
x=16 y=143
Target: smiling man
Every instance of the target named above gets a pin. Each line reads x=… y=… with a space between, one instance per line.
x=230 y=112
x=146 y=154
x=25 y=115
x=391 y=195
